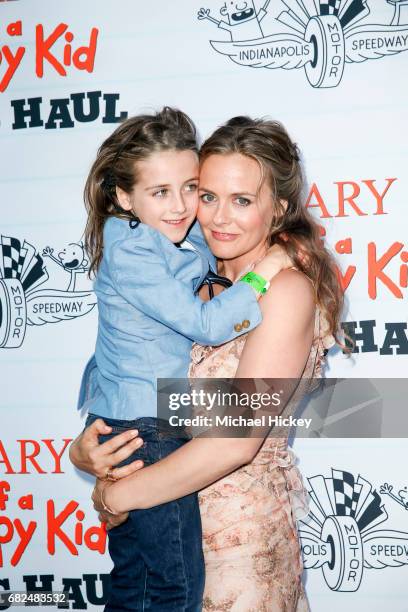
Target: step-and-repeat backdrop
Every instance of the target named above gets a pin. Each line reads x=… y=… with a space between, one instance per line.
x=334 y=72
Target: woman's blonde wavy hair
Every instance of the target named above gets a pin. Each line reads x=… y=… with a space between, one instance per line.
x=292 y=226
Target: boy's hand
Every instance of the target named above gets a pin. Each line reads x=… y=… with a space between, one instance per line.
x=275 y=260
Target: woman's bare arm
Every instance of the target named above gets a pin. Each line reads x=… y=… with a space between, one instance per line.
x=278 y=347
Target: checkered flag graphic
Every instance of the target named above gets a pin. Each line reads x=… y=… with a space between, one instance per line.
x=329 y=7
x=345 y=496
x=11 y=257
x=20 y=261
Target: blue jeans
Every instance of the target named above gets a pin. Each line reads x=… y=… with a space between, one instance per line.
x=158 y=562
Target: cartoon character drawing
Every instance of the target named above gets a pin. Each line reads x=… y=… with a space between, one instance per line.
x=242 y=20
x=72 y=259
x=321 y=36
x=26 y=300
x=386 y=489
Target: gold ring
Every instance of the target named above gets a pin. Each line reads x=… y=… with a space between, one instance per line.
x=109 y=475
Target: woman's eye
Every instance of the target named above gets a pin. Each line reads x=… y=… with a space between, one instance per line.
x=242 y=201
x=208 y=198
x=191 y=187
x=160 y=193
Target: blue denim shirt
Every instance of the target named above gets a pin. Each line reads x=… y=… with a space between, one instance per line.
x=149 y=317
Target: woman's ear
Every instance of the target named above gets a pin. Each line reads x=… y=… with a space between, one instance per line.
x=123 y=198
x=284 y=204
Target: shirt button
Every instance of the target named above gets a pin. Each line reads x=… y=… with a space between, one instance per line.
x=246 y=323
x=238 y=327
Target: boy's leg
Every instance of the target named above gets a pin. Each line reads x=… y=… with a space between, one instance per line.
x=170 y=539
x=157 y=553
x=128 y=575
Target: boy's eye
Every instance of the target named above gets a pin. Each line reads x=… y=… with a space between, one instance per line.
x=191 y=187
x=208 y=198
x=160 y=193
x=242 y=201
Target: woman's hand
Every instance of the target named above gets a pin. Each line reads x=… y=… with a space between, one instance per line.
x=89 y=456
x=110 y=520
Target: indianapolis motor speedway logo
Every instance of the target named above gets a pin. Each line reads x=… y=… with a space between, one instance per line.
x=320 y=36
x=23 y=299
x=341 y=535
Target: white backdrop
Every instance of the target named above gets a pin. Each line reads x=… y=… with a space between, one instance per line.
x=338 y=83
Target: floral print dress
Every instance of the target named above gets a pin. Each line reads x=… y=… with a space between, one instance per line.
x=250 y=540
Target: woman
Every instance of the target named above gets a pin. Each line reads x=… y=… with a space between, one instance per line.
x=250 y=192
